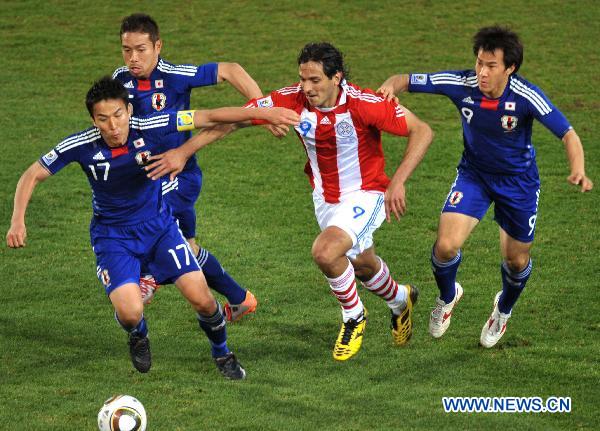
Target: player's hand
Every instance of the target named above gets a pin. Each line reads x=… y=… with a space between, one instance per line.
x=387 y=92
x=277 y=131
x=170 y=162
x=282 y=117
x=577 y=178
x=395 y=202
x=16 y=236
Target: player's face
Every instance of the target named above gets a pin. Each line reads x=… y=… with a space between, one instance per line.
x=492 y=76
x=320 y=90
x=111 y=117
x=139 y=53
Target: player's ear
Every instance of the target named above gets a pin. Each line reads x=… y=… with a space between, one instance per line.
x=337 y=78
x=130 y=109
x=158 y=46
x=510 y=70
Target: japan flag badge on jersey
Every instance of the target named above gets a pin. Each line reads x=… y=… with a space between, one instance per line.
x=158 y=83
x=510 y=106
x=139 y=143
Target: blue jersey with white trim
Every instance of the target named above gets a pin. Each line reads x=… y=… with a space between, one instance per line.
x=496 y=132
x=168 y=88
x=122 y=194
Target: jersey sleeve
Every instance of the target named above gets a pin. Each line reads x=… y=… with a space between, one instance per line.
x=384 y=115
x=545 y=112
x=67 y=151
x=448 y=83
x=206 y=74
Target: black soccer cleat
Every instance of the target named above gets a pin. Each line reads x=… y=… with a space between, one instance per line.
x=139 y=349
x=229 y=366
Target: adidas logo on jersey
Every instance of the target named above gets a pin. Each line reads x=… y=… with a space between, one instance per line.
x=468 y=100
x=98 y=156
x=325 y=120
x=128 y=84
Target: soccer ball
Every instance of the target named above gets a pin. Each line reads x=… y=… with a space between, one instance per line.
x=122 y=413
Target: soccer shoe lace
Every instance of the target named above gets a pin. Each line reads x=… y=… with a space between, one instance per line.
x=350 y=337
x=234 y=312
x=139 y=349
x=494 y=328
x=402 y=323
x=148 y=286
x=229 y=366
x=442 y=313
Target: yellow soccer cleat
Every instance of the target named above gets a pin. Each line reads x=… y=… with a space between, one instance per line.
x=402 y=324
x=350 y=338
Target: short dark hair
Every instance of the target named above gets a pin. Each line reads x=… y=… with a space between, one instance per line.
x=496 y=37
x=140 y=23
x=104 y=89
x=328 y=55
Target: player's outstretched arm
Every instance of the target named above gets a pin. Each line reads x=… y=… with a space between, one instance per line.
x=420 y=137
x=394 y=85
x=575 y=154
x=277 y=116
x=17 y=234
x=173 y=161
x=239 y=79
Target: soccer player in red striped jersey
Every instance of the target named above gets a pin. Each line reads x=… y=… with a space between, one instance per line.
x=341 y=128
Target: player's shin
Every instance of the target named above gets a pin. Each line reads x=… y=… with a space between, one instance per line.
x=513 y=284
x=215 y=329
x=445 y=275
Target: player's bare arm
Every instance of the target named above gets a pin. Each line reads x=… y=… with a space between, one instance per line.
x=237 y=76
x=420 y=136
x=394 y=85
x=576 y=158
x=213 y=117
x=17 y=233
x=173 y=161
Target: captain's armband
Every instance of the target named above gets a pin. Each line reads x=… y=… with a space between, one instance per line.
x=185 y=120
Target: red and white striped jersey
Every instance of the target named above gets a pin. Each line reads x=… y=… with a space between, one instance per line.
x=343 y=143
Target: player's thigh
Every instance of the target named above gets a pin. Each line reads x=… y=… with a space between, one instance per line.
x=516 y=200
x=127 y=301
x=193 y=287
x=466 y=204
x=170 y=256
x=330 y=244
x=453 y=230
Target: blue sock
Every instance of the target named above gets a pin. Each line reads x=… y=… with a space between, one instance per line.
x=445 y=275
x=141 y=329
x=214 y=328
x=218 y=279
x=513 y=284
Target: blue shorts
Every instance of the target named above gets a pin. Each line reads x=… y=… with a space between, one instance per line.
x=515 y=198
x=181 y=195
x=156 y=244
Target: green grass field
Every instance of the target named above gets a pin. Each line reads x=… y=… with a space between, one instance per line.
x=62 y=354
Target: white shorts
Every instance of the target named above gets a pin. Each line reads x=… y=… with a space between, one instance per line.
x=359 y=214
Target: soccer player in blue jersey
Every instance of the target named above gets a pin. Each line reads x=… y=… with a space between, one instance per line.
x=497 y=109
x=155 y=85
x=131 y=226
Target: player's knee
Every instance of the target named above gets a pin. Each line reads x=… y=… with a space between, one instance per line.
x=323 y=255
x=204 y=304
x=130 y=315
x=445 y=249
x=518 y=262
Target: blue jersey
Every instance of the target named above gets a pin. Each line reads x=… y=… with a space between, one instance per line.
x=122 y=194
x=167 y=89
x=496 y=132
